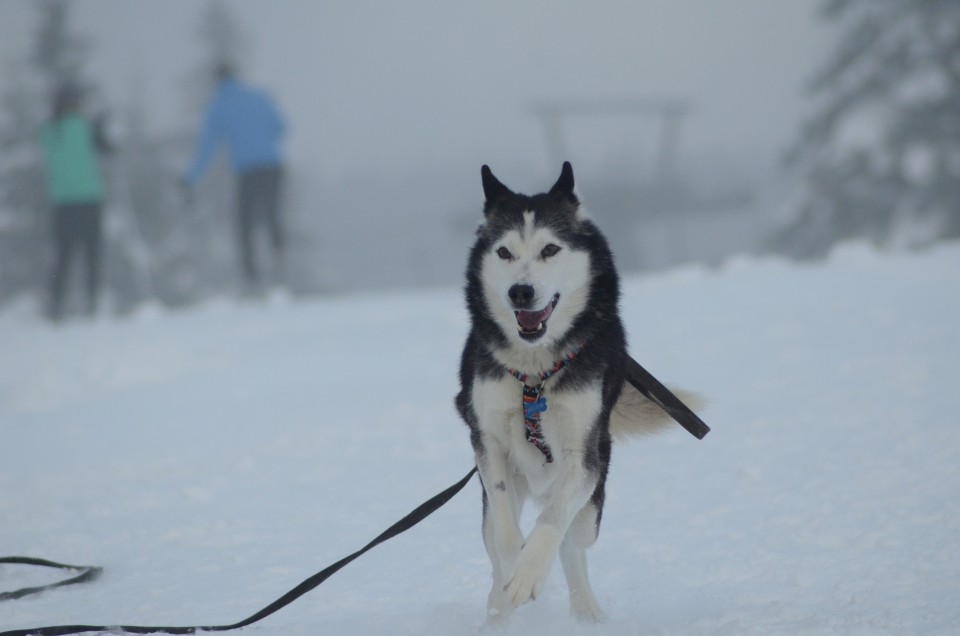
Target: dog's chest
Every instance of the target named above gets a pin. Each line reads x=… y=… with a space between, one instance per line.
x=566 y=423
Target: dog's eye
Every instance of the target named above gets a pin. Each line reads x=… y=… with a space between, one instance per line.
x=549 y=250
x=504 y=253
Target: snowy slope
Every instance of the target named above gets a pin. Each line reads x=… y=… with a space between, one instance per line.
x=212 y=459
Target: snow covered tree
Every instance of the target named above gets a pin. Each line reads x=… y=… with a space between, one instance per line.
x=880 y=157
x=205 y=258
x=176 y=248
x=22 y=202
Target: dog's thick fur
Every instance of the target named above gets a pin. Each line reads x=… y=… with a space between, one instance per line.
x=539 y=259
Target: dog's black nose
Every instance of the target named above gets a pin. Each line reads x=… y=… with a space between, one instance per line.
x=521 y=296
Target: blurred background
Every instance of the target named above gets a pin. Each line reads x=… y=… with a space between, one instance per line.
x=697 y=130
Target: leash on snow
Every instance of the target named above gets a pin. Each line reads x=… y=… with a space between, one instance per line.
x=639 y=377
x=87 y=573
x=420 y=513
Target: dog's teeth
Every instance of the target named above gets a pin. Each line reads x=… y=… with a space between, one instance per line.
x=520 y=328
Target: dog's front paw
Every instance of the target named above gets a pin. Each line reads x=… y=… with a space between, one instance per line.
x=532 y=568
x=498 y=608
x=499 y=613
x=526 y=584
x=587 y=610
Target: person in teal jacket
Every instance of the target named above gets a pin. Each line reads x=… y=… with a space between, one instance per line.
x=75 y=191
x=248 y=123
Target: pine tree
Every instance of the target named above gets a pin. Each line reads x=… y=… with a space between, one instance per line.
x=880 y=157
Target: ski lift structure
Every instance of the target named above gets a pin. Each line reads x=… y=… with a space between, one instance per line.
x=670 y=113
x=663 y=207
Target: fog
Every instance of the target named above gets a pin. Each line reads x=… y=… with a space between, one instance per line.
x=393 y=107
x=388 y=86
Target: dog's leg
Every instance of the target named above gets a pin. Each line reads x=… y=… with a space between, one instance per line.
x=503 y=499
x=497 y=609
x=569 y=494
x=573 y=555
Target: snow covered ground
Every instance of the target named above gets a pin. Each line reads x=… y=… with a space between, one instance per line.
x=211 y=459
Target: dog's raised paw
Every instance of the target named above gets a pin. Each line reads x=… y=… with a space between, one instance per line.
x=523 y=588
x=533 y=565
x=527 y=581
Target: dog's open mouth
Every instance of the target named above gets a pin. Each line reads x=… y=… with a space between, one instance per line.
x=533 y=324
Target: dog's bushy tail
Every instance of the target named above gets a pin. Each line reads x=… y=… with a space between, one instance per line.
x=636 y=416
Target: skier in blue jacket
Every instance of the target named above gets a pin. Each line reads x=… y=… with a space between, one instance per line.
x=247 y=121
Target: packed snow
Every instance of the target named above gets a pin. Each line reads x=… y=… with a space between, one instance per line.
x=212 y=458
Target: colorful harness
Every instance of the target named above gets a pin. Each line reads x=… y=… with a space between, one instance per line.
x=534 y=403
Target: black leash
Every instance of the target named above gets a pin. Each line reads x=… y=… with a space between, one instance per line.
x=87 y=573
x=422 y=511
x=653 y=390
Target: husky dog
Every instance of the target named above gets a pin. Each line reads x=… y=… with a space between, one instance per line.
x=542 y=386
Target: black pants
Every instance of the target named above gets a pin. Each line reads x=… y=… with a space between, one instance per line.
x=258 y=203
x=75 y=227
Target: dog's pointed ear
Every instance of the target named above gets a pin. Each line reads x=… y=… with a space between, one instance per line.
x=565 y=184
x=492 y=188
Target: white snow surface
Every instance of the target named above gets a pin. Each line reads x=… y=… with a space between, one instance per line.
x=213 y=458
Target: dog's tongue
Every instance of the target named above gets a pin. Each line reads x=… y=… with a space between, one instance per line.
x=529 y=320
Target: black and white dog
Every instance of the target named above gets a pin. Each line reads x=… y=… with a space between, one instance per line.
x=542 y=386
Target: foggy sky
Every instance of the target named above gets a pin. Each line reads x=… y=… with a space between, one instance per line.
x=385 y=85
